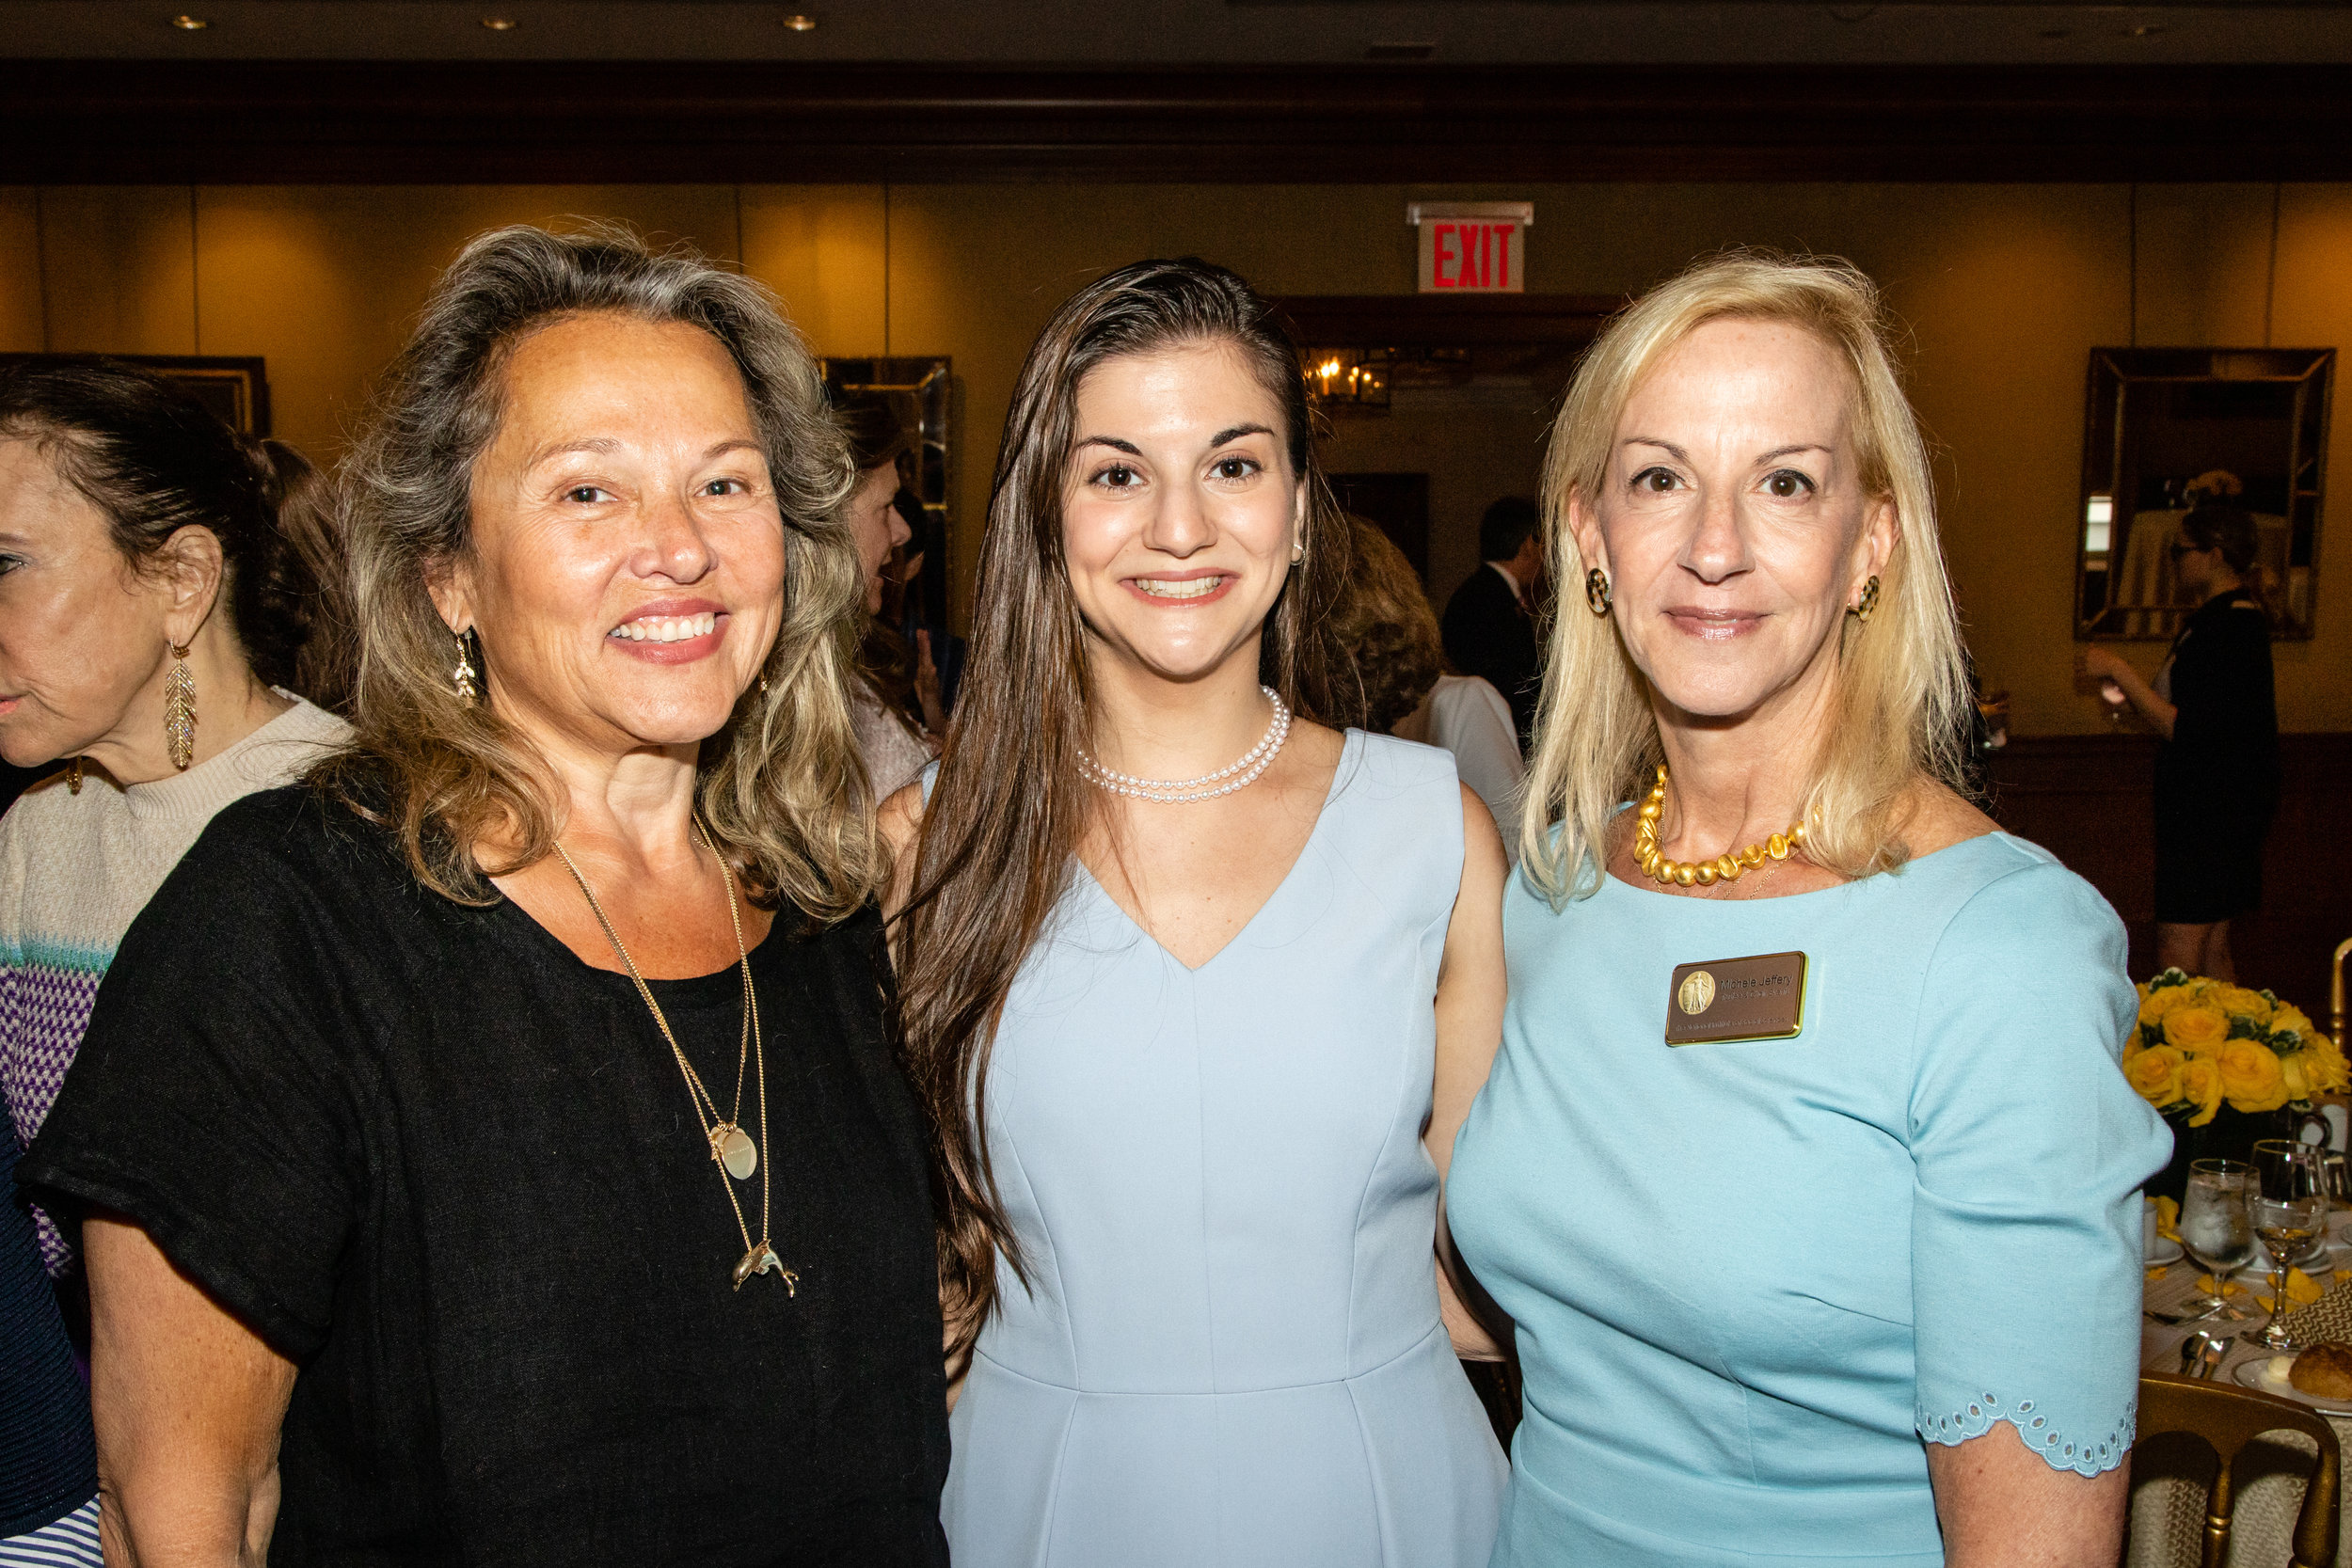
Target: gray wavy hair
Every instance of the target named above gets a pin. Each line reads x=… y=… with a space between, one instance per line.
x=780 y=786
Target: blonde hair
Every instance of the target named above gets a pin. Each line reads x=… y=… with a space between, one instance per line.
x=1902 y=681
x=779 y=785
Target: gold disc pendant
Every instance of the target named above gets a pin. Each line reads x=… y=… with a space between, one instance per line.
x=733 y=1149
x=761 y=1259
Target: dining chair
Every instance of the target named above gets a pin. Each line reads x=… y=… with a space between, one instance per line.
x=2227 y=1419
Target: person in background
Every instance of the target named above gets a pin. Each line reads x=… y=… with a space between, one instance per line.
x=1198 y=988
x=1489 y=626
x=491 y=1147
x=1781 y=998
x=895 y=701
x=2218 y=770
x=1385 y=623
x=161 y=600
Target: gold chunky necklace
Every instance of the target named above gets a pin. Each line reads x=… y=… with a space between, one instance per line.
x=730 y=1146
x=1723 y=869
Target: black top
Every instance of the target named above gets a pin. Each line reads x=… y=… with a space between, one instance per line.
x=453 y=1174
x=1489 y=634
x=2222 y=767
x=48 y=1468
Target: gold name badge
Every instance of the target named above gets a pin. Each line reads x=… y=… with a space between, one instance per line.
x=1759 y=998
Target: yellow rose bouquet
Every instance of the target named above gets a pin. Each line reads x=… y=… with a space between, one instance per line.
x=2201 y=1042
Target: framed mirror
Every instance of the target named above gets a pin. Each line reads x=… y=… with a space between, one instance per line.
x=2166 y=427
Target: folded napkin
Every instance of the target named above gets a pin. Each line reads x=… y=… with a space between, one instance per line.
x=2302 y=1291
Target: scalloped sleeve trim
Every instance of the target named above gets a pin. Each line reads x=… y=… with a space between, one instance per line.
x=2084 y=1453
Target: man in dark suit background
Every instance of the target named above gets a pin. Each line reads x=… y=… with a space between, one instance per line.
x=1490 y=624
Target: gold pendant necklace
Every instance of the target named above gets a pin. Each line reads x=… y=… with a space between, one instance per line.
x=1723 y=869
x=731 y=1148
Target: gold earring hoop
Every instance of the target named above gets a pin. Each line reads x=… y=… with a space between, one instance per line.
x=179 y=708
x=1597 y=596
x=1868 y=602
x=463 y=676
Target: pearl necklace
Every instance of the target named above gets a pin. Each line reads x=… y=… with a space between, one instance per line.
x=1208 y=786
x=1723 y=869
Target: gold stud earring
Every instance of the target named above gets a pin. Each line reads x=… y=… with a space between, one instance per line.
x=462 y=678
x=1868 y=602
x=1596 y=592
x=179 y=708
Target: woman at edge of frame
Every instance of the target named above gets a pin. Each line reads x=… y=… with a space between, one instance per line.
x=1746 y=759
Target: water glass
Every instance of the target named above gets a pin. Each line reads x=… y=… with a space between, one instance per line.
x=2215 y=1230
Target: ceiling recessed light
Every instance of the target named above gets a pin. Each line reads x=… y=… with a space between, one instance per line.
x=2143 y=30
x=190 y=23
x=800 y=23
x=498 y=23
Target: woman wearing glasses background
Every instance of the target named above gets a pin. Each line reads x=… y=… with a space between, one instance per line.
x=2218 y=773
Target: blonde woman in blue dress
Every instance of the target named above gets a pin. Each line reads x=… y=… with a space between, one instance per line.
x=1805 y=1172
x=1198 y=990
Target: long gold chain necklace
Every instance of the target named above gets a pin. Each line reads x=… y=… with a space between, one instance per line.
x=1727 y=867
x=731 y=1148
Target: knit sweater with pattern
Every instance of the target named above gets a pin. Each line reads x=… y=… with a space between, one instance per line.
x=76 y=869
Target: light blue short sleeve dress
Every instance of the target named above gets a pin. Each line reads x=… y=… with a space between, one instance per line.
x=1752 y=1281
x=1228 y=1353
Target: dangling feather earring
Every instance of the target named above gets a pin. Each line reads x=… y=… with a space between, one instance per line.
x=179 y=709
x=462 y=678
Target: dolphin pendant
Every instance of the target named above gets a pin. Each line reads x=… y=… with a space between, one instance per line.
x=761 y=1259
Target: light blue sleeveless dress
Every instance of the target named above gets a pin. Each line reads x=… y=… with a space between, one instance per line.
x=1228 y=1353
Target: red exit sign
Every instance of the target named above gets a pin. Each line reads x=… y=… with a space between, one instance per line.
x=1473 y=246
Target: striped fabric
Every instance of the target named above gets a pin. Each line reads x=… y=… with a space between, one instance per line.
x=71 y=1543
x=74 y=872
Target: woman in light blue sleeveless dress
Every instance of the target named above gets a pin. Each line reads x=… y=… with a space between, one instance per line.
x=1197 y=1031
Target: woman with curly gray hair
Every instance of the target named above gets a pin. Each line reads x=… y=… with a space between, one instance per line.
x=427 y=1219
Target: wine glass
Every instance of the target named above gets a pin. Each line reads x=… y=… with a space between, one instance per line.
x=2267 y=1153
x=2216 y=1231
x=2289 y=1208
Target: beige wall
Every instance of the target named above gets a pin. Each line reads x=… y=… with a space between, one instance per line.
x=2004 y=288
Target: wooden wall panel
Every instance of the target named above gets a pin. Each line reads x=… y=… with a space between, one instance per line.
x=2088 y=800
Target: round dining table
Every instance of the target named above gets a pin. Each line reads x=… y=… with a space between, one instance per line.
x=2171 y=1474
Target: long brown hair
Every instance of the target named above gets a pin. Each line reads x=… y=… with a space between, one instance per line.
x=1009 y=809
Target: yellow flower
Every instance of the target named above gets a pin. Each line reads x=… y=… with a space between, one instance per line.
x=2168 y=1218
x=2238 y=1002
x=2201 y=1085
x=2153 y=1005
x=2205 y=1283
x=2323 y=1067
x=2250 y=1076
x=2155 y=1074
x=2287 y=1017
x=2291 y=1072
x=2196 y=1028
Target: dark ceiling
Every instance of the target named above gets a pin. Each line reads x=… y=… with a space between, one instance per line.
x=1193 y=32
